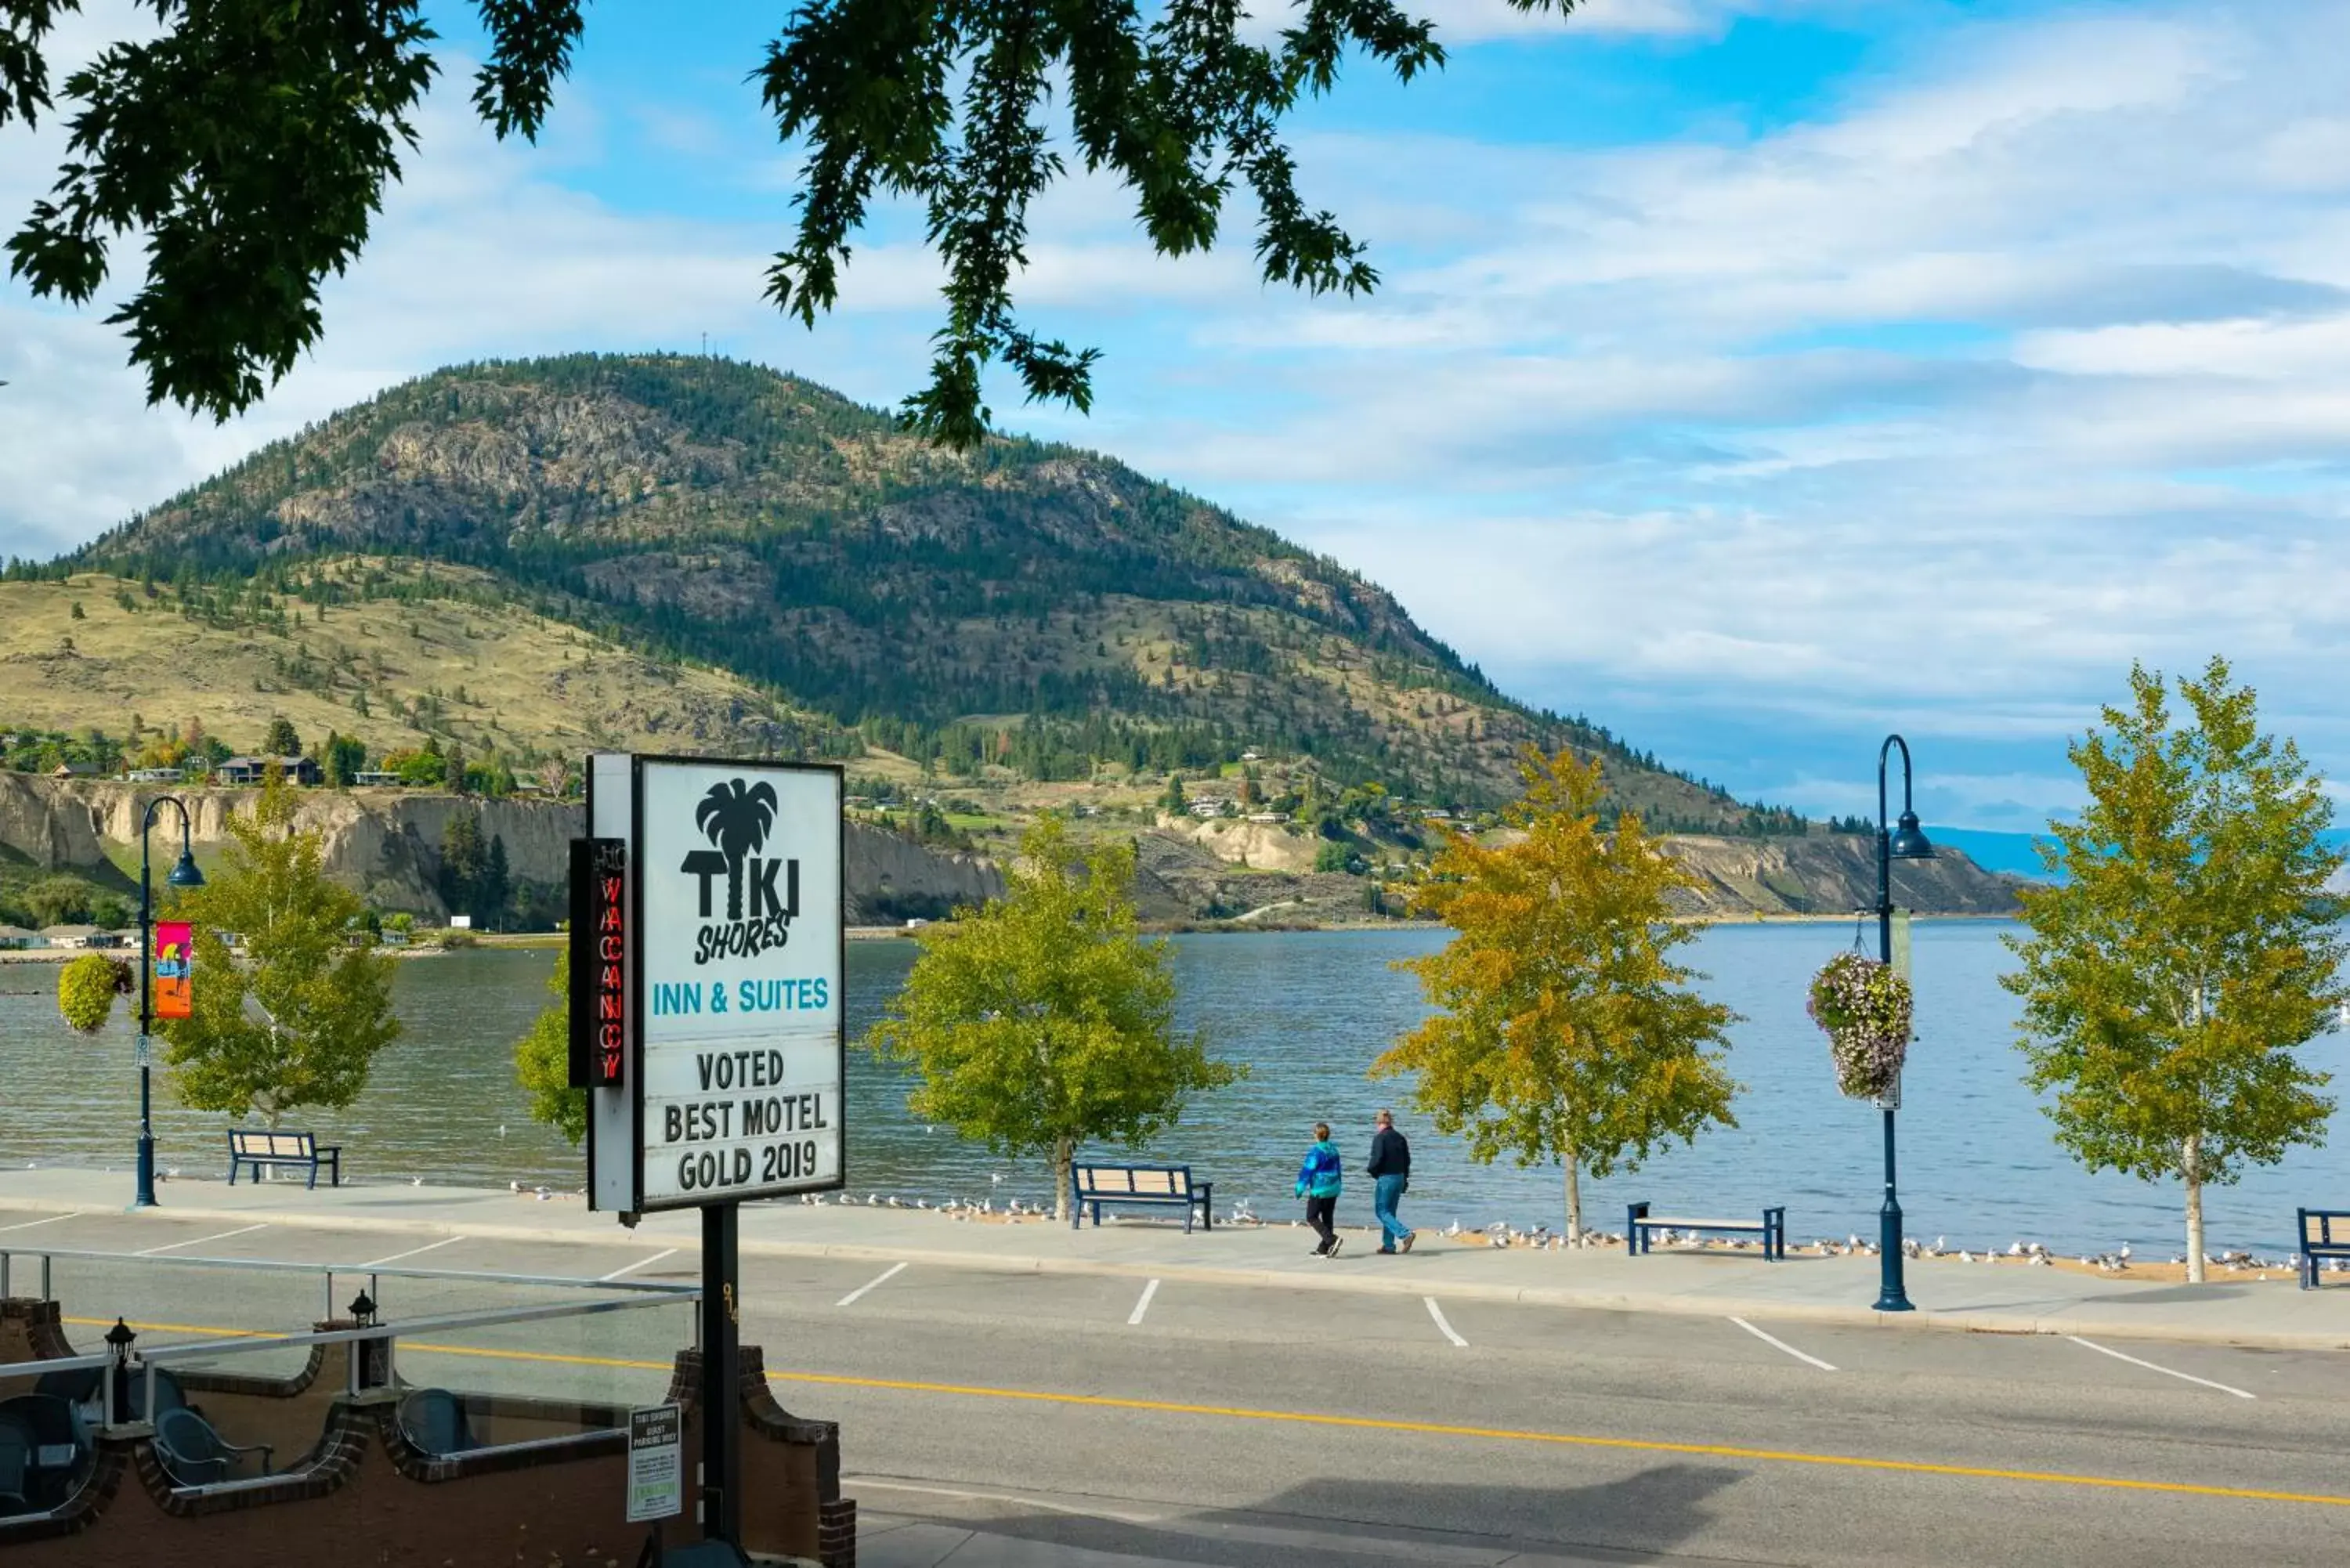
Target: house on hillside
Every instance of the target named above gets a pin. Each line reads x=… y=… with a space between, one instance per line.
x=251 y=770
x=157 y=776
x=376 y=778
x=71 y=936
x=17 y=939
x=72 y=771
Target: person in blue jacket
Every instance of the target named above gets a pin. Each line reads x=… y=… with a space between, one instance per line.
x=1318 y=1180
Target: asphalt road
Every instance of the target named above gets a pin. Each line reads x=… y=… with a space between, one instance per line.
x=1240 y=1425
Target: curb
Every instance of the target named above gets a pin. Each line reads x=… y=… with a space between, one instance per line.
x=1568 y=1297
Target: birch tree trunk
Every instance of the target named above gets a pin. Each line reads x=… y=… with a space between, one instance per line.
x=1573 y=1196
x=2190 y=1167
x=1063 y=1153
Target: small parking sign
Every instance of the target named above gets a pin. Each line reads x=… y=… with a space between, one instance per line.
x=656 y=1464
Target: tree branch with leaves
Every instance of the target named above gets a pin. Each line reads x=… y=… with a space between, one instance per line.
x=251 y=144
x=1564 y=1030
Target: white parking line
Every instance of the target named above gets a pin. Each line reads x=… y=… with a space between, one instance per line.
x=2166 y=1372
x=412 y=1252
x=891 y=1272
x=199 y=1241
x=629 y=1269
x=1781 y=1344
x=867 y=1483
x=1443 y=1327
x=1143 y=1305
x=30 y=1224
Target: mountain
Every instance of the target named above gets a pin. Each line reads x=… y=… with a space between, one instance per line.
x=512 y=563
x=1030 y=605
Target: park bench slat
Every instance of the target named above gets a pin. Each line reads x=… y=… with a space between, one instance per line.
x=2324 y=1233
x=1167 y=1185
x=257 y=1149
x=1638 y=1223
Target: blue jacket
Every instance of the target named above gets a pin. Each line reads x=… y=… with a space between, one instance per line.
x=1322 y=1173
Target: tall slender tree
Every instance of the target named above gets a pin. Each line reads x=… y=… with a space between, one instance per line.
x=1564 y=1030
x=297 y=1017
x=1045 y=1020
x=2186 y=947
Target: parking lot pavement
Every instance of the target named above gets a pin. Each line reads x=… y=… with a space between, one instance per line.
x=181 y=1299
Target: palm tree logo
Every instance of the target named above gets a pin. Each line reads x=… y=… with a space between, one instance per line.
x=735 y=818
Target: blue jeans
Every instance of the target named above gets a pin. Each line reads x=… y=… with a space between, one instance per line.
x=1383 y=1204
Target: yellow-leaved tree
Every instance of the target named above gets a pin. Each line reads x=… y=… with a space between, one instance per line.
x=1565 y=1031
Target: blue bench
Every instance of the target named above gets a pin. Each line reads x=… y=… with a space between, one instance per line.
x=1771 y=1228
x=2324 y=1233
x=259 y=1148
x=1149 y=1186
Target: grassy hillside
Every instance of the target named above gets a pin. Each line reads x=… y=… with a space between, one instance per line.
x=671 y=550
x=449 y=658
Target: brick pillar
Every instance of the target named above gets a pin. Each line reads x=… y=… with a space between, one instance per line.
x=837 y=1533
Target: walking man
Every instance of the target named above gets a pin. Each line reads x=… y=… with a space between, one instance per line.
x=1318 y=1180
x=1390 y=1171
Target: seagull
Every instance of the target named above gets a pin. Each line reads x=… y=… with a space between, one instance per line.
x=415 y=1181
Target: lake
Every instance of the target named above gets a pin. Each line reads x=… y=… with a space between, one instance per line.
x=1308 y=1012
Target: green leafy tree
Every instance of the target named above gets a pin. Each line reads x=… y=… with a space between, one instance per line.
x=1564 y=1030
x=282 y=740
x=56 y=901
x=1045 y=1020
x=344 y=758
x=542 y=1060
x=1173 y=801
x=464 y=860
x=300 y=1017
x=248 y=144
x=2188 y=949
x=495 y=890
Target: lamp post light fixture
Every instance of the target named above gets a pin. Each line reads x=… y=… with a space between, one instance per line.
x=184 y=875
x=1904 y=841
x=118 y=1340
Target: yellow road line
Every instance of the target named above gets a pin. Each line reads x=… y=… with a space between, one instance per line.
x=206 y=1332
x=1380 y=1424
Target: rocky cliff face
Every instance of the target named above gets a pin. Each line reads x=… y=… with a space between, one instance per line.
x=387 y=843
x=1833 y=873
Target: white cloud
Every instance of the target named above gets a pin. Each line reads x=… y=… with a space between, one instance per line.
x=2025 y=355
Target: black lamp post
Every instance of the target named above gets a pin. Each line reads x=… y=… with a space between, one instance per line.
x=1905 y=841
x=184 y=875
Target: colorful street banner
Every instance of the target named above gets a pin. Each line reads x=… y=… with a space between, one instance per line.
x=175 y=962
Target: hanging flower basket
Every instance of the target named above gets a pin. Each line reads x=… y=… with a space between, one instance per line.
x=1865 y=1008
x=86 y=989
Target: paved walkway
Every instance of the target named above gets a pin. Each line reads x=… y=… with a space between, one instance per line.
x=2001 y=1298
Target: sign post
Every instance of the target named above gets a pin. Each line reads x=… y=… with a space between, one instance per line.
x=708 y=948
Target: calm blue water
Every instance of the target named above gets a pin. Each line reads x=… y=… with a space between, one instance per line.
x=1309 y=1011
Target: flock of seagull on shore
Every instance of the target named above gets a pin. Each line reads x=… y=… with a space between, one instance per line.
x=1542 y=1237
x=1501 y=1234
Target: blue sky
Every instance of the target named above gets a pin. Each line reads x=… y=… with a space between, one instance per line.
x=1754 y=376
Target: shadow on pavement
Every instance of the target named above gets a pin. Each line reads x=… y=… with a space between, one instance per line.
x=1331 y=1522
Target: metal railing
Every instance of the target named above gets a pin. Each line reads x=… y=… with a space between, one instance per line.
x=362 y=1371
x=328 y=1271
